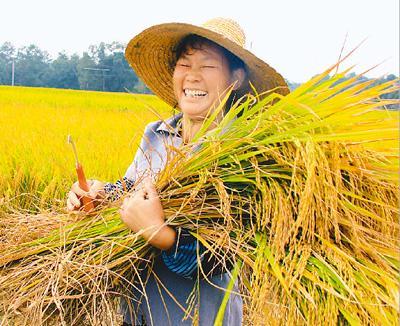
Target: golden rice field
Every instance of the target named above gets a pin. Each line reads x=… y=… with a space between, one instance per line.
x=37 y=164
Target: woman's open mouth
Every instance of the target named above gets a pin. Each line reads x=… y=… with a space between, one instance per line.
x=194 y=92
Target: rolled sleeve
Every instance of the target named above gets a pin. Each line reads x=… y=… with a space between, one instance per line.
x=184 y=256
x=115 y=190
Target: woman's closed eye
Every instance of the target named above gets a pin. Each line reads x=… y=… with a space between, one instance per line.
x=183 y=63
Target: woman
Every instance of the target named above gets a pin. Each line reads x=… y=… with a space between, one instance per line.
x=191 y=68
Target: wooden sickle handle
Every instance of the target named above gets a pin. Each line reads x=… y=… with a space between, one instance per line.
x=87 y=201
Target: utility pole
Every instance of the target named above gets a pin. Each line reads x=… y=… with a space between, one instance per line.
x=12 y=71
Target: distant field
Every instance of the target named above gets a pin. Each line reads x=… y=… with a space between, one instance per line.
x=37 y=164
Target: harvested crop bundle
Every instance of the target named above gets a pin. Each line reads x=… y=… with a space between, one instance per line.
x=299 y=191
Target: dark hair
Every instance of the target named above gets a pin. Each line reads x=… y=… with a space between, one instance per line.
x=196 y=42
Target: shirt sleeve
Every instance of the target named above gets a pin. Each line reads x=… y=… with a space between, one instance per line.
x=187 y=253
x=135 y=171
x=115 y=190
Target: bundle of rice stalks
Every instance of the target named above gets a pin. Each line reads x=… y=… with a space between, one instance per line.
x=300 y=190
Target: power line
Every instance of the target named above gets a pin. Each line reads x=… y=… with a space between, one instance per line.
x=102 y=70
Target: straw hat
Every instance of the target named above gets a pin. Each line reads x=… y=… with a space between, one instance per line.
x=151 y=55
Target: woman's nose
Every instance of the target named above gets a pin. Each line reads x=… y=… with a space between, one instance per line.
x=193 y=74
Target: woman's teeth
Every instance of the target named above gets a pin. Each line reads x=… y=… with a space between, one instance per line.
x=194 y=93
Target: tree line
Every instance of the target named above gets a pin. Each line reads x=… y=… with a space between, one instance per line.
x=102 y=67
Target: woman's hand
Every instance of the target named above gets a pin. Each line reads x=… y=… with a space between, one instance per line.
x=143 y=212
x=96 y=192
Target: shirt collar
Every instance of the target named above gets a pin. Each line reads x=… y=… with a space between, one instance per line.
x=171 y=125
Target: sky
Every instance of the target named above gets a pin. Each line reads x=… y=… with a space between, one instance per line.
x=299 y=38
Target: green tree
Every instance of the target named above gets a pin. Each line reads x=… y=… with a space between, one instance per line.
x=113 y=71
x=7 y=53
x=63 y=72
x=31 y=66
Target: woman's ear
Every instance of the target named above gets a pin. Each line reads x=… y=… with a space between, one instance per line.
x=238 y=77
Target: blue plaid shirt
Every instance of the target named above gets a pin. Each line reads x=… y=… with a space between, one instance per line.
x=149 y=160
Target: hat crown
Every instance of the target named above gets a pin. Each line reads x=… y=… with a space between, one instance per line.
x=227 y=28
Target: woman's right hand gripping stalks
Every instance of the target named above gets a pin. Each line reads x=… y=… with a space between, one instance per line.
x=96 y=193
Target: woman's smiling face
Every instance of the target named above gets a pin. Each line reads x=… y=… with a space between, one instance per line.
x=201 y=78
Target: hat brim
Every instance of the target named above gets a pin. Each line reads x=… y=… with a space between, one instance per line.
x=151 y=55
